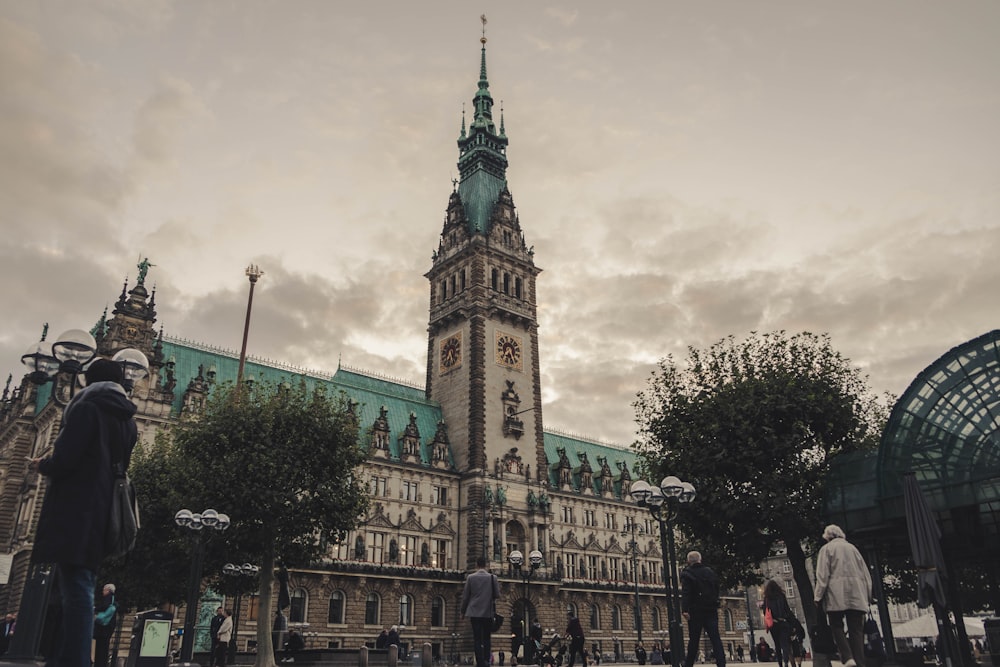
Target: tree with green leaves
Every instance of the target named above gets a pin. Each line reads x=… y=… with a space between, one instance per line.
x=753 y=425
x=281 y=462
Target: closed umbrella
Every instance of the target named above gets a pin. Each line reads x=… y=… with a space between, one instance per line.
x=925 y=548
x=925 y=545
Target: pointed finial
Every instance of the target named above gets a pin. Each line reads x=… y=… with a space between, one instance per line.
x=45 y=330
x=483 y=19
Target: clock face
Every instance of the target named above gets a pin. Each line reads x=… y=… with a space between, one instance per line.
x=131 y=331
x=508 y=350
x=451 y=352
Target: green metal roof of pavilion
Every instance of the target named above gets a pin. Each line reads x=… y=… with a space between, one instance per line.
x=945 y=428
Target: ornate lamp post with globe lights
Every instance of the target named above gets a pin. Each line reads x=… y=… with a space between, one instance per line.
x=243 y=574
x=663 y=503
x=516 y=559
x=196 y=523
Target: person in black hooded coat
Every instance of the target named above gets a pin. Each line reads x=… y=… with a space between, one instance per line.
x=97 y=427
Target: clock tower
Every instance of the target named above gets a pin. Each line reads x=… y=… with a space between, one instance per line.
x=482 y=348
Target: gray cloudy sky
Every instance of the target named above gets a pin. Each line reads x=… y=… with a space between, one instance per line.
x=685 y=170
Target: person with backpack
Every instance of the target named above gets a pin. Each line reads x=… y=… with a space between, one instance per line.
x=700 y=606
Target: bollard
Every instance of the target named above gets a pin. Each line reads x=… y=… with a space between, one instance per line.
x=425 y=655
x=363 y=656
x=393 y=655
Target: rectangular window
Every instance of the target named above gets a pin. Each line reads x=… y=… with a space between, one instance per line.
x=379 y=486
x=571 y=565
x=616 y=573
x=592 y=567
x=439 y=495
x=789 y=589
x=567 y=514
x=589 y=518
x=409 y=491
x=409 y=551
x=440 y=554
x=610 y=521
x=786 y=566
x=376 y=548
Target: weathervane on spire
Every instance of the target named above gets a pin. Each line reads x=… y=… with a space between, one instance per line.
x=483 y=19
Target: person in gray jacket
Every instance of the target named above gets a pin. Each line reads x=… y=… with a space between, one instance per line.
x=481 y=589
x=844 y=591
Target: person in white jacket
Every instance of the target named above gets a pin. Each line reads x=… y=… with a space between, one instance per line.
x=224 y=635
x=844 y=591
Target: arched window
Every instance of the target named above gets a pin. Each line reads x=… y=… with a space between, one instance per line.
x=506 y=283
x=494 y=276
x=373 y=609
x=571 y=609
x=406 y=609
x=297 y=613
x=444 y=290
x=728 y=620
x=517 y=287
x=335 y=614
x=462 y=276
x=616 y=618
x=437 y=612
x=595 y=617
x=656 y=619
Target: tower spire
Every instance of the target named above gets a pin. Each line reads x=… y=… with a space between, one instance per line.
x=482 y=153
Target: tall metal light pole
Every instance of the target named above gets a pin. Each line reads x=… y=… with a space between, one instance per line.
x=662 y=502
x=253 y=273
x=637 y=611
x=516 y=559
x=243 y=574
x=196 y=523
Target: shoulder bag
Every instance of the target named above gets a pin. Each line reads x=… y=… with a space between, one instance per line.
x=123 y=522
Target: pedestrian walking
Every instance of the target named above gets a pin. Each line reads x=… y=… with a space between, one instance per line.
x=700 y=606
x=776 y=603
x=844 y=591
x=478 y=605
x=105 y=622
x=97 y=428
x=574 y=632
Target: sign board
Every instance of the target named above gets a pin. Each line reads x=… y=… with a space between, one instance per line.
x=741 y=625
x=155 y=638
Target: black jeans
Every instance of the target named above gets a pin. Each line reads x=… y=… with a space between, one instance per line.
x=709 y=622
x=482 y=630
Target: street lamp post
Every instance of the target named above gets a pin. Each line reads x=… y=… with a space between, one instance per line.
x=516 y=559
x=753 y=640
x=243 y=574
x=454 y=653
x=663 y=503
x=637 y=611
x=196 y=523
x=253 y=273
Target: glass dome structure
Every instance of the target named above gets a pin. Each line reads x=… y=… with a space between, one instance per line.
x=945 y=428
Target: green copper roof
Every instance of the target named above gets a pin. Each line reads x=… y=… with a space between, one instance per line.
x=482 y=161
x=369 y=393
x=594 y=451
